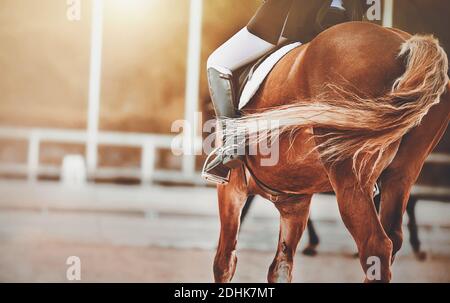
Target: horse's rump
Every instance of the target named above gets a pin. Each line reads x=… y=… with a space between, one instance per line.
x=365 y=85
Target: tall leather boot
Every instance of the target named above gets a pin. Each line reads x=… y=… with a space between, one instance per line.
x=219 y=163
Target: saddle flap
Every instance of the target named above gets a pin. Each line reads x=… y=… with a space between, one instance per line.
x=258 y=73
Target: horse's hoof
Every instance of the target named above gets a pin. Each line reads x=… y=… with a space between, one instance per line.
x=420 y=255
x=310 y=251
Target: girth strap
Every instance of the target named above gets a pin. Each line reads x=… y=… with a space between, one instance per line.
x=273 y=194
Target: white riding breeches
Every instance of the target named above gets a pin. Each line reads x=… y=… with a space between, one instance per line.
x=238 y=51
x=243 y=48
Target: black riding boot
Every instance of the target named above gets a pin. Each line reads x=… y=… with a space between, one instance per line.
x=219 y=163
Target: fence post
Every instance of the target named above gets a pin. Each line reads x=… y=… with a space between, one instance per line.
x=192 y=86
x=33 y=156
x=388 y=13
x=147 y=162
x=94 y=85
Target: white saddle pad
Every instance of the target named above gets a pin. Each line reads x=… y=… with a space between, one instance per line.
x=261 y=73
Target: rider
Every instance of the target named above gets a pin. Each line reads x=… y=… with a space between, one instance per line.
x=275 y=22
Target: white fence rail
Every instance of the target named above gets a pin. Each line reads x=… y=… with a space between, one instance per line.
x=149 y=144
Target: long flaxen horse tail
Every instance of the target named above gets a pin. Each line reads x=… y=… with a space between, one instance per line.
x=361 y=128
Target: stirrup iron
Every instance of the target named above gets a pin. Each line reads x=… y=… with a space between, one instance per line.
x=221 y=180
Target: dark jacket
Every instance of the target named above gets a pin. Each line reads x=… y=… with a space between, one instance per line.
x=304 y=19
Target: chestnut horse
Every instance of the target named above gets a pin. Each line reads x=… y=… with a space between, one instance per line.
x=357 y=104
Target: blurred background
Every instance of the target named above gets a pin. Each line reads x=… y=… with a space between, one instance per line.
x=86 y=169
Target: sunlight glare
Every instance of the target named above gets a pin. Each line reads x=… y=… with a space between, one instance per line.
x=131 y=8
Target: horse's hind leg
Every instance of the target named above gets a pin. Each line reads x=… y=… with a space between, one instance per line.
x=398 y=179
x=232 y=198
x=413 y=229
x=395 y=196
x=246 y=207
x=294 y=215
x=377 y=203
x=311 y=249
x=395 y=199
x=360 y=217
x=374 y=246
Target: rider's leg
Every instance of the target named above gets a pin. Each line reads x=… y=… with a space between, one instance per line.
x=243 y=48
